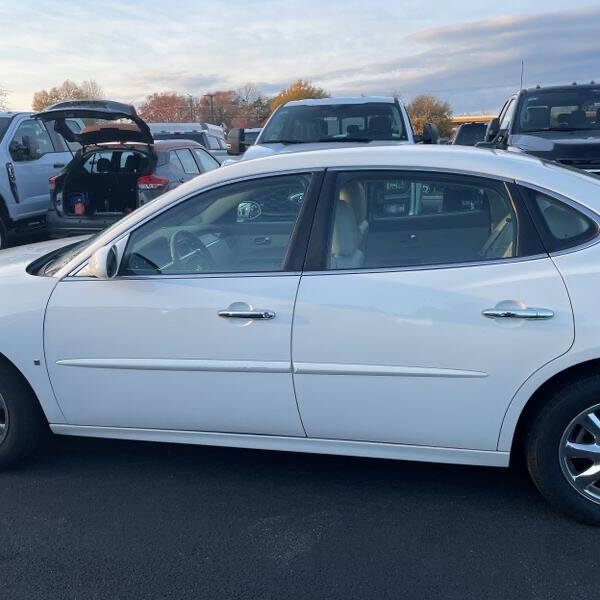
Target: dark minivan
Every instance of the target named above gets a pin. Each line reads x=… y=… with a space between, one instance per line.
x=118 y=167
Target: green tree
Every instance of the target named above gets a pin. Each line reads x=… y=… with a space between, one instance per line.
x=429 y=109
x=299 y=90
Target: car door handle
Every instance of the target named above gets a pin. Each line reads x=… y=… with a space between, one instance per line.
x=247 y=314
x=518 y=313
x=58 y=165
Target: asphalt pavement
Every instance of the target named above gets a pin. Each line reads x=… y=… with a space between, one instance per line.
x=91 y=519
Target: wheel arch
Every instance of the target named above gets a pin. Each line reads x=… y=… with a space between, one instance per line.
x=540 y=396
x=9 y=365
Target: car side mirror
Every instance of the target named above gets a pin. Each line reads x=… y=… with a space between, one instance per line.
x=431 y=134
x=104 y=263
x=235 y=139
x=493 y=129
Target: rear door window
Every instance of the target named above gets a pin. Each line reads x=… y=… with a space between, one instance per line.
x=205 y=160
x=188 y=162
x=411 y=219
x=175 y=162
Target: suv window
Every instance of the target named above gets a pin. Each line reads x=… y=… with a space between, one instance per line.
x=213 y=142
x=30 y=142
x=395 y=219
x=174 y=161
x=560 y=225
x=218 y=231
x=188 y=162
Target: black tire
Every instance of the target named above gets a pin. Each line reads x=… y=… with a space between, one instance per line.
x=544 y=442
x=3 y=233
x=25 y=424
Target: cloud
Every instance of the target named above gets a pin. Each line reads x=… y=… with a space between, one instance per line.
x=476 y=65
x=138 y=47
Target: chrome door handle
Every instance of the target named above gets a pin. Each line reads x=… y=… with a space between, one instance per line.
x=518 y=313
x=247 y=314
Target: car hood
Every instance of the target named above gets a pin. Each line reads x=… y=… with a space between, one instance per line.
x=16 y=260
x=262 y=150
x=557 y=145
x=104 y=110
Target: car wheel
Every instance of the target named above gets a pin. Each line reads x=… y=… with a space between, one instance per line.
x=563 y=450
x=22 y=423
x=3 y=234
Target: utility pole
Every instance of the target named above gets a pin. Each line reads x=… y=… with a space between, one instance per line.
x=212 y=108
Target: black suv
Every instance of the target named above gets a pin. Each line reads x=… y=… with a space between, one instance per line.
x=560 y=123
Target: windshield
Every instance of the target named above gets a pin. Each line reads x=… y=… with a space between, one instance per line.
x=335 y=123
x=569 y=109
x=4 y=123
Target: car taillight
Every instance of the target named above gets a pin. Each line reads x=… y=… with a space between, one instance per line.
x=151 y=182
x=52 y=182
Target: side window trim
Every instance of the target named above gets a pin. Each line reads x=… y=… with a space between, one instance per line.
x=318 y=248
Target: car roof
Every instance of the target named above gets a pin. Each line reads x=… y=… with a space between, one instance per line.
x=349 y=100
x=170 y=144
x=561 y=88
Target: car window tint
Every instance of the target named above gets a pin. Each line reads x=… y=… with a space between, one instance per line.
x=560 y=225
x=188 y=162
x=241 y=227
x=30 y=142
x=205 y=160
x=174 y=161
x=507 y=117
x=405 y=219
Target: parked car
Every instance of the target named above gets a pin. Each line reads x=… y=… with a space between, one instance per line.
x=30 y=153
x=415 y=303
x=210 y=136
x=469 y=134
x=332 y=123
x=560 y=123
x=118 y=167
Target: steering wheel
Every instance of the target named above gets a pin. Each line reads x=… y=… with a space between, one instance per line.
x=188 y=250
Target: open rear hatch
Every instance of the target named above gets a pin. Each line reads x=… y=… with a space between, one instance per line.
x=98 y=115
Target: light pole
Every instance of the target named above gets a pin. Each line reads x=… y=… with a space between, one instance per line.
x=212 y=108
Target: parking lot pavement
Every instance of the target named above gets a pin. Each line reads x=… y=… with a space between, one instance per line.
x=105 y=519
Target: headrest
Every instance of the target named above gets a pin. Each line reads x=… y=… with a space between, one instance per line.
x=538 y=116
x=345 y=231
x=103 y=165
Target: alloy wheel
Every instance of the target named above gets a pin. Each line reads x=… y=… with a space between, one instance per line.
x=579 y=453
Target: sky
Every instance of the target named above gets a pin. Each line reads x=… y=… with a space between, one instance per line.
x=468 y=52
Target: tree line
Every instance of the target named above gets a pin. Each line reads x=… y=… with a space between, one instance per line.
x=244 y=107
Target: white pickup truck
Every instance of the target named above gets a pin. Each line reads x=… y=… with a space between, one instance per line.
x=332 y=122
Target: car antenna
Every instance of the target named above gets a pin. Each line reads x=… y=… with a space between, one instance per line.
x=522 y=69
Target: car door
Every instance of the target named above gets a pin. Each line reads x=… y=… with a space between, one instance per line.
x=417 y=324
x=34 y=160
x=192 y=334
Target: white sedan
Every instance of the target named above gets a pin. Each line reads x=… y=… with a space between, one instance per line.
x=421 y=303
